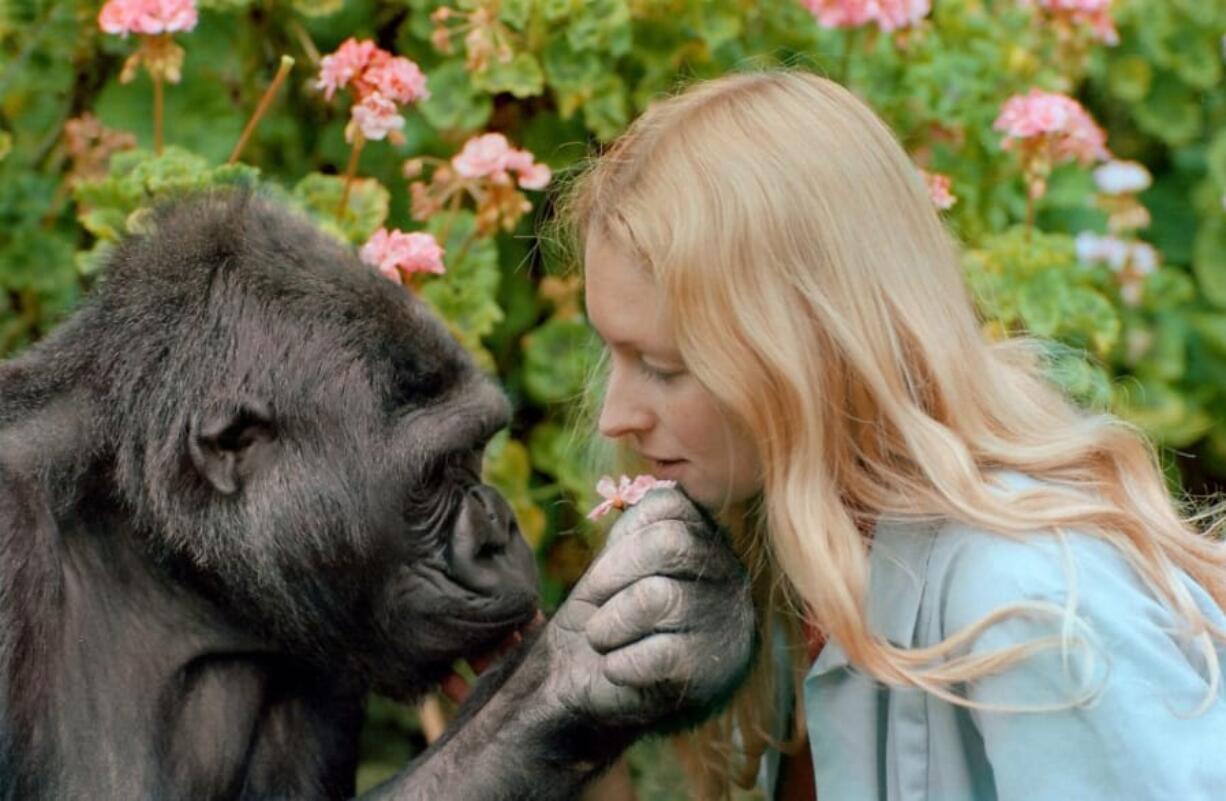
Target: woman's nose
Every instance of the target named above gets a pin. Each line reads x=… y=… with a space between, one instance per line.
x=623 y=411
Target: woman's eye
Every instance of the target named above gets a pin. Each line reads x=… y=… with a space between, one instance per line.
x=657 y=374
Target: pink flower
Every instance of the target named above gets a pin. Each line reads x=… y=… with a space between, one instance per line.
x=397 y=78
x=624 y=493
x=940 y=188
x=376 y=116
x=888 y=14
x=894 y=14
x=531 y=174
x=840 y=13
x=482 y=156
x=348 y=62
x=1054 y=121
x=395 y=252
x=1095 y=14
x=368 y=69
x=147 y=17
x=491 y=156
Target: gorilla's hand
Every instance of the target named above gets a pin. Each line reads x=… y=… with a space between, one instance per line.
x=660 y=629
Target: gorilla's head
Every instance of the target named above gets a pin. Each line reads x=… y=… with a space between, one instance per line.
x=301 y=439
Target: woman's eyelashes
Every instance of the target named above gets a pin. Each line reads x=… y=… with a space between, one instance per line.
x=658 y=373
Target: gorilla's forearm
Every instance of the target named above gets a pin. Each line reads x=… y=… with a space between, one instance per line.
x=507 y=743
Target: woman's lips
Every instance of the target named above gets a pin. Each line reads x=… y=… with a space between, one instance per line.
x=666 y=468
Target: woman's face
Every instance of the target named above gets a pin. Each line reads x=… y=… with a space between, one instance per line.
x=652 y=401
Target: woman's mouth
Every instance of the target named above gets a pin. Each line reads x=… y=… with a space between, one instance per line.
x=666 y=468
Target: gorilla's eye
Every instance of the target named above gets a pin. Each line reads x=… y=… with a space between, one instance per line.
x=413 y=388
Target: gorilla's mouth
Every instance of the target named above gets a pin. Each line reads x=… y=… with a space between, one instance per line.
x=456 y=686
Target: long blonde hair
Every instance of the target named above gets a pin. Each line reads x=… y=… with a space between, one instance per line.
x=818 y=296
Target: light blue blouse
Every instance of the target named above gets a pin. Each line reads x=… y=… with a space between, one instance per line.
x=1133 y=736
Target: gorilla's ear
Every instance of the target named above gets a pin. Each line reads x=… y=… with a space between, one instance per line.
x=231 y=443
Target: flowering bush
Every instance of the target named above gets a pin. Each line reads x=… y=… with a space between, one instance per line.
x=1077 y=148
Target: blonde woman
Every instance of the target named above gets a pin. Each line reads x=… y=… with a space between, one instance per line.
x=975 y=590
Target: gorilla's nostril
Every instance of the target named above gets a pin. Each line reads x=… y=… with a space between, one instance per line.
x=486 y=550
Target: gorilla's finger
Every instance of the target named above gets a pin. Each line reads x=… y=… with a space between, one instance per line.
x=666 y=548
x=662 y=503
x=652 y=605
x=661 y=659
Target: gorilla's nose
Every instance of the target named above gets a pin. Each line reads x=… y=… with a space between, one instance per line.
x=487 y=552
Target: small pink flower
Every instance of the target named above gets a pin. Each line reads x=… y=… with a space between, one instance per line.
x=482 y=156
x=346 y=64
x=376 y=116
x=624 y=493
x=397 y=78
x=491 y=156
x=1094 y=14
x=894 y=14
x=1054 y=120
x=888 y=14
x=531 y=174
x=940 y=188
x=147 y=17
x=395 y=252
x=840 y=13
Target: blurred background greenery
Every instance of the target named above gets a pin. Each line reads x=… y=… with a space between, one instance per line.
x=1143 y=335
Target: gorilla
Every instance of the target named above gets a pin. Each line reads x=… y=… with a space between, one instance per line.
x=239 y=488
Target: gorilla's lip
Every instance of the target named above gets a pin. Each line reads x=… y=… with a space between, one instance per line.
x=456 y=687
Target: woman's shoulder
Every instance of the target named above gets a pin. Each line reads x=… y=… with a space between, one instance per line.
x=971 y=571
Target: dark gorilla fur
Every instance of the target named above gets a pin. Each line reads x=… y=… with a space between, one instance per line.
x=238 y=488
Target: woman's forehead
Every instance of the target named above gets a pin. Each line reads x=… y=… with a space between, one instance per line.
x=624 y=304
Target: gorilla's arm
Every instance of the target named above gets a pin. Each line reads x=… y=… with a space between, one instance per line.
x=655 y=636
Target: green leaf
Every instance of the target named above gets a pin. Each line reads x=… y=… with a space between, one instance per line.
x=521 y=76
x=1163 y=412
x=318 y=8
x=1129 y=78
x=1209 y=261
x=1212 y=328
x=366 y=207
x=515 y=13
x=507 y=468
x=1088 y=314
x=606 y=112
x=1042 y=301
x=1083 y=381
x=455 y=103
x=1171 y=112
x=557 y=360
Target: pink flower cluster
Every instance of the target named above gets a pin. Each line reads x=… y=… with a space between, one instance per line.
x=395 y=252
x=940 y=188
x=491 y=156
x=379 y=82
x=1094 y=14
x=147 y=17
x=1054 y=122
x=889 y=15
x=624 y=493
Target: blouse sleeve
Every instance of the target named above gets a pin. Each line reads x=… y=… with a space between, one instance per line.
x=1123 y=698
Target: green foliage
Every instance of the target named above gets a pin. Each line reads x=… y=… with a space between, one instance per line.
x=559 y=77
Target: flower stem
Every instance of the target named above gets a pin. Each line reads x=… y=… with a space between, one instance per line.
x=261 y=108
x=351 y=170
x=453 y=208
x=157 y=112
x=458 y=258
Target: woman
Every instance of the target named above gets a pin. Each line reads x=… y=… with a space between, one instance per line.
x=985 y=592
